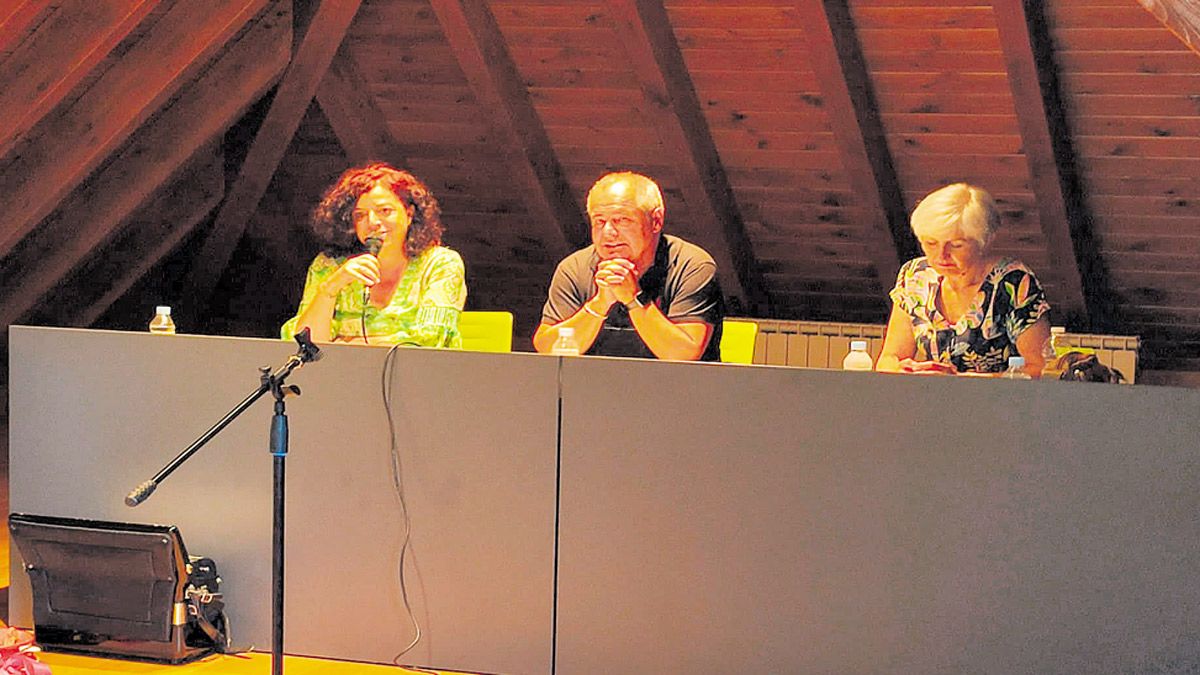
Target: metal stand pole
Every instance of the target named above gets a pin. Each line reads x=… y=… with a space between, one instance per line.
x=279 y=449
x=274 y=383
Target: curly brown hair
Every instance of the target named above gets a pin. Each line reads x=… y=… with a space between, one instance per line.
x=334 y=224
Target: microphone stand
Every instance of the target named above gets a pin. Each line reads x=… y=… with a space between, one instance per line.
x=272 y=381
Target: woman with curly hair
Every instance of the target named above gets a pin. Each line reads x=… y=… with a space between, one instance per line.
x=383 y=276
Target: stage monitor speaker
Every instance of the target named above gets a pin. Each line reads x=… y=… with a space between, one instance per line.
x=117 y=589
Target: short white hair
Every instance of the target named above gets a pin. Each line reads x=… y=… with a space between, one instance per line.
x=642 y=191
x=958 y=206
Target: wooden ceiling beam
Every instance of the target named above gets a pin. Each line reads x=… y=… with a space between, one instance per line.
x=18 y=18
x=669 y=98
x=836 y=59
x=1045 y=135
x=91 y=215
x=295 y=92
x=44 y=69
x=479 y=46
x=62 y=151
x=360 y=126
x=156 y=229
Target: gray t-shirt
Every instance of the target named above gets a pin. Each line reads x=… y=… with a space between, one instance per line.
x=682 y=282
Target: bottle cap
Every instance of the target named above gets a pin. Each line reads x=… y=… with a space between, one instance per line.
x=858 y=345
x=566 y=331
x=1016 y=362
x=162 y=309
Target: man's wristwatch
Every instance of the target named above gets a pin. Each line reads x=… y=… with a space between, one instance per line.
x=637 y=302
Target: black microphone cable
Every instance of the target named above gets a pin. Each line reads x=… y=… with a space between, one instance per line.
x=366 y=299
x=406 y=552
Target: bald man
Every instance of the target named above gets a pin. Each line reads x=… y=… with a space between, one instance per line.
x=635 y=291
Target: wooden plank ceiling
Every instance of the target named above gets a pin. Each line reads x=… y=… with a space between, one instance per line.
x=169 y=151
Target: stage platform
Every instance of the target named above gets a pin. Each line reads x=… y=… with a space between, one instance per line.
x=246 y=664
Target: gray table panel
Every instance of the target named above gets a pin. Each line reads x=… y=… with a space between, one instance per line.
x=94 y=413
x=761 y=519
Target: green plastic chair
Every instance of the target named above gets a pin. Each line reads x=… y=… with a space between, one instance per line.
x=737 y=341
x=486 y=331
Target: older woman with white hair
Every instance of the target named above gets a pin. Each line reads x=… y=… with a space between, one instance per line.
x=959 y=308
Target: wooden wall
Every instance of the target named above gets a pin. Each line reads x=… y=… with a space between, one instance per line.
x=169 y=151
x=1131 y=89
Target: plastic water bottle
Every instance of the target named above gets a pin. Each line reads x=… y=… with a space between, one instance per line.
x=1057 y=341
x=162 y=324
x=565 y=345
x=1016 y=369
x=1053 y=348
x=1050 y=350
x=858 y=358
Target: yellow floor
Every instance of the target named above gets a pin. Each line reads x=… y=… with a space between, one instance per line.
x=249 y=664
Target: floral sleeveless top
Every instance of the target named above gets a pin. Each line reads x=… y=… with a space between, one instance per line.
x=1009 y=301
x=423 y=311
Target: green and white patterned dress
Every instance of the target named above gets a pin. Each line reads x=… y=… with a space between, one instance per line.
x=423 y=311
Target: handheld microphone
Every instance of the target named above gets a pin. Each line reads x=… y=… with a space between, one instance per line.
x=374 y=243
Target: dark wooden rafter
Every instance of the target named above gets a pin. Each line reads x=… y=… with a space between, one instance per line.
x=837 y=61
x=359 y=124
x=47 y=67
x=480 y=49
x=292 y=97
x=18 y=18
x=152 y=157
x=1032 y=77
x=152 y=233
x=670 y=99
x=65 y=148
